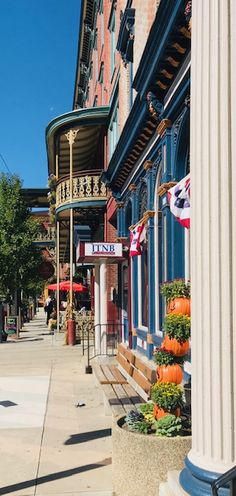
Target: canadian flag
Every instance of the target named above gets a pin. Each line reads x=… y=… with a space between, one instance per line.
x=137 y=236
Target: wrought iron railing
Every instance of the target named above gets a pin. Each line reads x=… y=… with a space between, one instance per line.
x=47 y=235
x=86 y=187
x=228 y=479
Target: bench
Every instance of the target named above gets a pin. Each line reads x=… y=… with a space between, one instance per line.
x=119 y=397
x=138 y=373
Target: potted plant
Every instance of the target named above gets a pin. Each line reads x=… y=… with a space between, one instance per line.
x=168 y=426
x=168 y=370
x=177 y=294
x=167 y=398
x=177 y=329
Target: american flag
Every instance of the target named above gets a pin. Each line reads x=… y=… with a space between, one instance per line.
x=179 y=201
x=137 y=236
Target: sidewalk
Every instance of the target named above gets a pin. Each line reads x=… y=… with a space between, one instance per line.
x=49 y=445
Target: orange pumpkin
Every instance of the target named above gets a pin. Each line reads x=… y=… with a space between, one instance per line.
x=170 y=373
x=180 y=305
x=178 y=349
x=159 y=412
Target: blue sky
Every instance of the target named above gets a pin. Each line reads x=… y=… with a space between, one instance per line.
x=38 y=48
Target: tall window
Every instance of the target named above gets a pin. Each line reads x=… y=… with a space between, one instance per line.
x=112 y=27
x=114 y=130
x=143 y=266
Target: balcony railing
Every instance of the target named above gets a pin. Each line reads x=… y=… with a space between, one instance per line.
x=86 y=187
x=47 y=236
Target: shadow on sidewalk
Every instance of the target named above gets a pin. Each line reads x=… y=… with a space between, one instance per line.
x=87 y=436
x=51 y=477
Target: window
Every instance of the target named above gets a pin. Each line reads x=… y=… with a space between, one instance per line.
x=101 y=73
x=113 y=43
x=95 y=41
x=91 y=71
x=100 y=7
x=114 y=130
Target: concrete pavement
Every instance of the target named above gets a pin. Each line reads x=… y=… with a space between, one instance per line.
x=49 y=445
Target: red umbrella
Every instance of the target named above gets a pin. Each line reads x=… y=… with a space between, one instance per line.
x=65 y=286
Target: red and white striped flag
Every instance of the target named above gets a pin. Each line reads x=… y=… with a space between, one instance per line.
x=179 y=201
x=137 y=236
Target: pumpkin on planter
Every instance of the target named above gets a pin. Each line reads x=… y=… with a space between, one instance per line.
x=168 y=398
x=177 y=329
x=176 y=347
x=179 y=305
x=167 y=368
x=177 y=295
x=170 y=373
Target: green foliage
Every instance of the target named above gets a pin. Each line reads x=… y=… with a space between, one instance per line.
x=175 y=289
x=19 y=257
x=163 y=357
x=177 y=326
x=147 y=410
x=167 y=395
x=136 y=422
x=168 y=426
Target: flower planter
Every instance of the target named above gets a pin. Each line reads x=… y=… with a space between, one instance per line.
x=178 y=349
x=141 y=462
x=170 y=373
x=180 y=305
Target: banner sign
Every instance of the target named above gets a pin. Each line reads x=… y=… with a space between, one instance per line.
x=103 y=249
x=11 y=325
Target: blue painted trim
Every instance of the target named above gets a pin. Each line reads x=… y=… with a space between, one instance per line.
x=141 y=350
x=197 y=482
x=151 y=276
x=85 y=204
x=142 y=334
x=166 y=19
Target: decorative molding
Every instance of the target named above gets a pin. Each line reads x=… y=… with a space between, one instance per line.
x=132 y=187
x=164 y=124
x=71 y=135
x=155 y=107
x=148 y=164
x=187 y=101
x=163 y=188
x=176 y=126
x=120 y=204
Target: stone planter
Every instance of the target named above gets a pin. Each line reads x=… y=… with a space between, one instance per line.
x=140 y=462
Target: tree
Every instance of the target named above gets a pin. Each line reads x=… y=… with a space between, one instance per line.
x=19 y=257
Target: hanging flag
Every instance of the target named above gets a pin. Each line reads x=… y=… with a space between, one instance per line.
x=179 y=201
x=137 y=236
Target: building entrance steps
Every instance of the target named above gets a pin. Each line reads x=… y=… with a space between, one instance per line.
x=49 y=444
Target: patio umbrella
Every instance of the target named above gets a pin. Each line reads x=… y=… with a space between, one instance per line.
x=65 y=286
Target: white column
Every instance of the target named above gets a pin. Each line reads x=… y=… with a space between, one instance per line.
x=213 y=234
x=97 y=310
x=103 y=306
